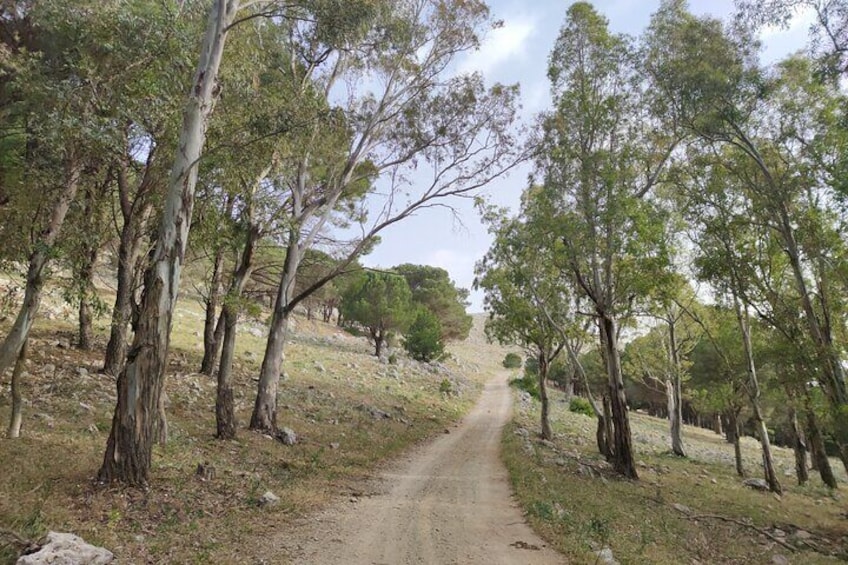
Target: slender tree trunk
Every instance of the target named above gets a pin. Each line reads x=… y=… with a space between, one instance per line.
x=622 y=446
x=85 y=332
x=717 y=425
x=129 y=448
x=543 y=396
x=129 y=259
x=734 y=436
x=799 y=446
x=754 y=395
x=264 y=417
x=11 y=347
x=212 y=330
x=673 y=386
x=225 y=413
x=212 y=320
x=819 y=456
x=17 y=401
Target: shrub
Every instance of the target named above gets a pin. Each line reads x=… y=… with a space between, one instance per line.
x=424 y=339
x=580 y=405
x=528 y=384
x=446 y=387
x=531 y=367
x=512 y=361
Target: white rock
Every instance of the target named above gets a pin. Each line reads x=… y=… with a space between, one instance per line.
x=67 y=549
x=605 y=556
x=269 y=499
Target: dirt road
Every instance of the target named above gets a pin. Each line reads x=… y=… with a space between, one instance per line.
x=449 y=502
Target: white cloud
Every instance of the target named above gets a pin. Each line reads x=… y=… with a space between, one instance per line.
x=499 y=46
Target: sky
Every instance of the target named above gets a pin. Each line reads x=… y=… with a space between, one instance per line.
x=518 y=52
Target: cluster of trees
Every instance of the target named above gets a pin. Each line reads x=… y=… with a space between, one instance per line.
x=672 y=162
x=293 y=123
x=418 y=301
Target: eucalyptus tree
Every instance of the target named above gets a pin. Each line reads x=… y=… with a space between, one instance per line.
x=528 y=303
x=600 y=157
x=783 y=124
x=391 y=86
x=129 y=447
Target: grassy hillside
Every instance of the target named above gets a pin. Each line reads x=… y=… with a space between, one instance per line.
x=349 y=410
x=692 y=510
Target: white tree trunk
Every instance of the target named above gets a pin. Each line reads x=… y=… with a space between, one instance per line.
x=134 y=425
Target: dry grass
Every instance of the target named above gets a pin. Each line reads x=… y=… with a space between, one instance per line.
x=331 y=381
x=577 y=504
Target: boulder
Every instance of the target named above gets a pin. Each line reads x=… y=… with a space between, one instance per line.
x=269 y=499
x=287 y=436
x=606 y=557
x=756 y=484
x=67 y=549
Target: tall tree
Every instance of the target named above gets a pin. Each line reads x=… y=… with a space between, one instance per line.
x=128 y=450
x=404 y=113
x=382 y=303
x=600 y=158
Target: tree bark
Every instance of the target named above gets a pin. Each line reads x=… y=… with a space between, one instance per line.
x=225 y=414
x=264 y=417
x=547 y=433
x=212 y=330
x=733 y=436
x=622 y=445
x=674 y=393
x=11 y=347
x=140 y=383
x=17 y=400
x=754 y=396
x=819 y=456
x=799 y=446
x=136 y=215
x=717 y=424
x=85 y=332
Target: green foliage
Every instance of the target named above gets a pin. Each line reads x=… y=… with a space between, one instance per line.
x=381 y=302
x=580 y=405
x=432 y=288
x=423 y=340
x=531 y=367
x=528 y=384
x=512 y=361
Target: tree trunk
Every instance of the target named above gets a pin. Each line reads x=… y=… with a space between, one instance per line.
x=674 y=393
x=85 y=335
x=622 y=445
x=140 y=383
x=601 y=436
x=11 y=347
x=212 y=330
x=717 y=425
x=129 y=258
x=819 y=456
x=212 y=320
x=754 y=395
x=799 y=446
x=225 y=413
x=543 y=397
x=17 y=401
x=733 y=430
x=264 y=417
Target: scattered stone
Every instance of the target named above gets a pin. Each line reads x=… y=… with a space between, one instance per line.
x=287 y=436
x=319 y=367
x=713 y=481
x=334 y=445
x=82 y=371
x=92 y=429
x=682 y=508
x=756 y=484
x=778 y=559
x=67 y=549
x=86 y=407
x=522 y=432
x=606 y=557
x=48 y=369
x=548 y=443
x=375 y=413
x=269 y=499
x=800 y=535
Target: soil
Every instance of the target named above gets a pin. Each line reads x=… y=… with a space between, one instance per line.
x=448 y=502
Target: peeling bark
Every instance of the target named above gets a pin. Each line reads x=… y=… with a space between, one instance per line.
x=140 y=383
x=17 y=400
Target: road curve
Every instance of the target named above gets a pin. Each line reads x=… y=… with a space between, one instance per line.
x=449 y=502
